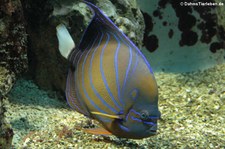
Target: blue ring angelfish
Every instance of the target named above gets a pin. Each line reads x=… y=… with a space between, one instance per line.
x=110 y=81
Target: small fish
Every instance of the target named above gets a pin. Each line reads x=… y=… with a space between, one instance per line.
x=110 y=80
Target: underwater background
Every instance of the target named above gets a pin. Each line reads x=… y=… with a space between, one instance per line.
x=185 y=45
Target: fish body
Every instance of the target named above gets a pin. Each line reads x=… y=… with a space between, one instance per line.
x=110 y=80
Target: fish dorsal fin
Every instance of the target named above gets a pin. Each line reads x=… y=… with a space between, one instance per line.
x=71 y=96
x=100 y=23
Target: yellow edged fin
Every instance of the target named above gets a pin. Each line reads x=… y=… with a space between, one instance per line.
x=107 y=115
x=97 y=131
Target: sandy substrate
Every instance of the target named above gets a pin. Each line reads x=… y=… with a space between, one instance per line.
x=192 y=107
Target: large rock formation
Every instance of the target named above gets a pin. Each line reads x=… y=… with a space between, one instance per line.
x=13 y=58
x=47 y=66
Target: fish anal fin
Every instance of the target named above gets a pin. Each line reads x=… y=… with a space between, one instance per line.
x=97 y=131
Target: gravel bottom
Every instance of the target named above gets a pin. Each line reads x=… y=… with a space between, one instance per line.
x=192 y=107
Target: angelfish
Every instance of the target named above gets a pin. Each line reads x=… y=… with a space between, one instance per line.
x=110 y=80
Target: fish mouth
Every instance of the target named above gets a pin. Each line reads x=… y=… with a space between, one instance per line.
x=153 y=132
x=153 y=129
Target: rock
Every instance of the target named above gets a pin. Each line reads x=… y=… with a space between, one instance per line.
x=47 y=66
x=7 y=80
x=13 y=44
x=6 y=133
x=220 y=13
x=13 y=58
x=13 y=37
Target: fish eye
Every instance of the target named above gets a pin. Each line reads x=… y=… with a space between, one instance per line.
x=144 y=115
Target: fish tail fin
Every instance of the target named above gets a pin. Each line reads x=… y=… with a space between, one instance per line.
x=66 y=43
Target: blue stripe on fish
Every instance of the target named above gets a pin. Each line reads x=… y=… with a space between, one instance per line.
x=95 y=91
x=71 y=99
x=77 y=86
x=112 y=79
x=116 y=69
x=101 y=15
x=83 y=86
x=135 y=65
x=76 y=57
x=136 y=119
x=124 y=128
x=115 y=61
x=117 y=36
x=103 y=119
x=128 y=68
x=148 y=123
x=103 y=76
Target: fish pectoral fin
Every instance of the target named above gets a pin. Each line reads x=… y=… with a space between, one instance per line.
x=97 y=131
x=107 y=115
